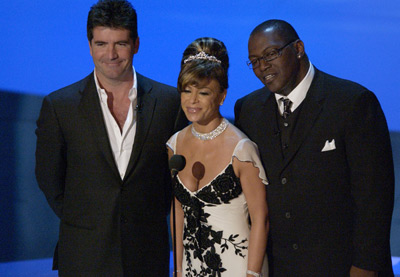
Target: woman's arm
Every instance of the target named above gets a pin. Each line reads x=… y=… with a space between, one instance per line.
x=255 y=193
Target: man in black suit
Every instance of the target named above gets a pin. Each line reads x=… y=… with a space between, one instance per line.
x=325 y=146
x=101 y=159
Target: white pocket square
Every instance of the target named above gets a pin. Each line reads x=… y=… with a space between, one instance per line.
x=329 y=146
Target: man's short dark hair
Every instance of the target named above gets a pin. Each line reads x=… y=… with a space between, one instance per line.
x=118 y=14
x=283 y=28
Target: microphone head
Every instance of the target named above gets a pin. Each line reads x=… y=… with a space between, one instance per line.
x=198 y=170
x=177 y=163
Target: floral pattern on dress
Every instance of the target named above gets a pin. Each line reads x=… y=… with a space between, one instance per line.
x=199 y=238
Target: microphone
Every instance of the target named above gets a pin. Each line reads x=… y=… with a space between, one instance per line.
x=138 y=107
x=176 y=164
x=198 y=171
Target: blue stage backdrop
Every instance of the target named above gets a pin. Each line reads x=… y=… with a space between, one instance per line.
x=44 y=45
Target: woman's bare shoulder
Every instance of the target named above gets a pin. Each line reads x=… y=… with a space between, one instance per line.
x=235 y=133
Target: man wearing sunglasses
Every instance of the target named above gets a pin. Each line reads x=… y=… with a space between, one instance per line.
x=325 y=146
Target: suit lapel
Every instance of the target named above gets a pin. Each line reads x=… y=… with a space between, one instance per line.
x=310 y=110
x=146 y=103
x=268 y=131
x=273 y=136
x=91 y=110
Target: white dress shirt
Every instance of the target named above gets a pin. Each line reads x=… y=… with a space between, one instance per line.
x=121 y=142
x=298 y=94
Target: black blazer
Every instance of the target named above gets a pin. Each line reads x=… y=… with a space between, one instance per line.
x=328 y=210
x=109 y=226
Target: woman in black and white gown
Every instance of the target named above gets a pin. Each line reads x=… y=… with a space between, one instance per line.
x=220 y=198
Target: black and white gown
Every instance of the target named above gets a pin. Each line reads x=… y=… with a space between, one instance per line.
x=216 y=220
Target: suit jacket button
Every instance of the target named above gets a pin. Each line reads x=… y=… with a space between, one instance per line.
x=285 y=146
x=295 y=246
x=284 y=181
x=123 y=219
x=288 y=215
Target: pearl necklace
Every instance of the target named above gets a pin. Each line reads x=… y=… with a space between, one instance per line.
x=213 y=134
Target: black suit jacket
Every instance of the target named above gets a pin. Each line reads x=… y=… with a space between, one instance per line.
x=109 y=226
x=328 y=210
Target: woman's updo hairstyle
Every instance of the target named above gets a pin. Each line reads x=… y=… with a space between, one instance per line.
x=203 y=60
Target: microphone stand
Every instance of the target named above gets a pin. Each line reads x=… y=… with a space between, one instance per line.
x=174 y=173
x=176 y=164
